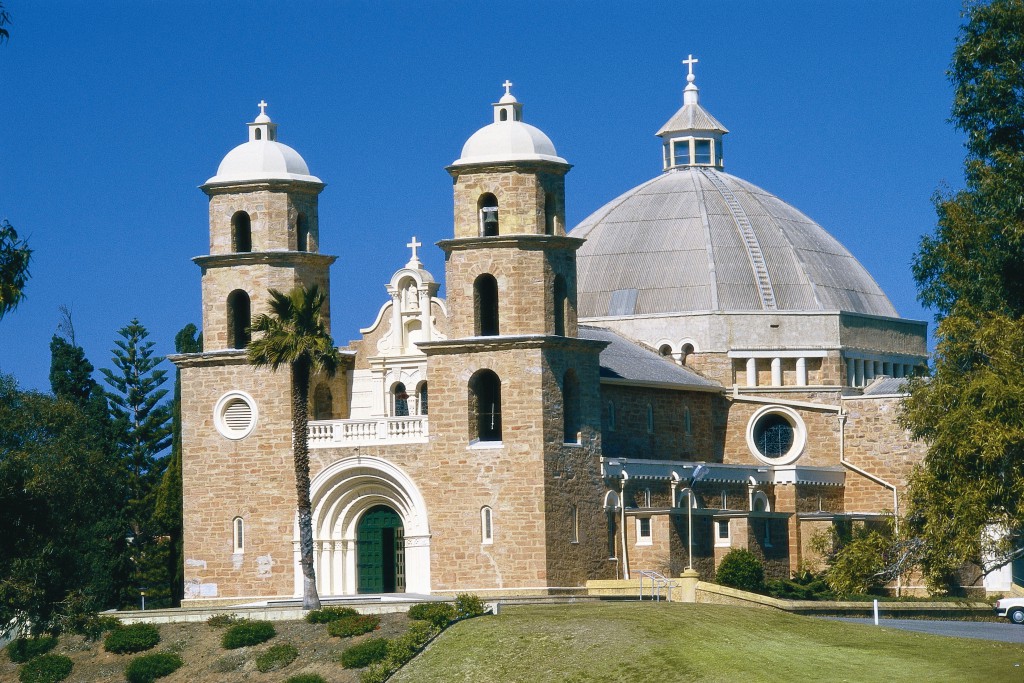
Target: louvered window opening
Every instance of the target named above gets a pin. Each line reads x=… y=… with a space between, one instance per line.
x=238 y=416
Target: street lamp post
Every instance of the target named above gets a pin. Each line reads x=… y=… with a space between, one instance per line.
x=698 y=473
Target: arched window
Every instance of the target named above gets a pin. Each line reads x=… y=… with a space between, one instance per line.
x=665 y=351
x=485 y=305
x=485 y=406
x=571 y=407
x=259 y=134
x=238 y=535
x=238 y=319
x=561 y=305
x=550 y=213
x=399 y=400
x=503 y=115
x=302 y=233
x=486 y=525
x=685 y=354
x=487 y=208
x=687 y=423
x=241 y=232
x=574 y=532
x=759 y=502
x=323 y=403
x=611 y=416
x=647 y=498
x=650 y=419
x=421 y=394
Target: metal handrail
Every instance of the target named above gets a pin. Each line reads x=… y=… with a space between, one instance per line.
x=658 y=582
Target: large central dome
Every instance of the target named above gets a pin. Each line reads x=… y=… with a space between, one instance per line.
x=698 y=239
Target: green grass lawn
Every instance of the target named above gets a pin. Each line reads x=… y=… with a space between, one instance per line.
x=648 y=642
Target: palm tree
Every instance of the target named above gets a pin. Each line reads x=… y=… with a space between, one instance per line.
x=294 y=334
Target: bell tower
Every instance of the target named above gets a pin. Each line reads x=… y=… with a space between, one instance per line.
x=236 y=419
x=523 y=422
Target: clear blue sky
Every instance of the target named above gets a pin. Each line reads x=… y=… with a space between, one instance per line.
x=114 y=113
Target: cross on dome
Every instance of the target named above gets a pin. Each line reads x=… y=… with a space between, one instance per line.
x=689 y=62
x=412 y=245
x=508 y=86
x=263 y=107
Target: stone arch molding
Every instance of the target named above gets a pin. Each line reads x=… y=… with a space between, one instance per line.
x=340 y=495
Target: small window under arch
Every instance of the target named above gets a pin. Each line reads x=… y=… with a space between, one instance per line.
x=486 y=525
x=561 y=301
x=239 y=315
x=685 y=354
x=485 y=406
x=650 y=419
x=238 y=534
x=571 y=407
x=421 y=394
x=550 y=213
x=323 y=403
x=241 y=232
x=503 y=115
x=259 y=134
x=665 y=351
x=487 y=208
x=302 y=233
x=485 y=305
x=399 y=400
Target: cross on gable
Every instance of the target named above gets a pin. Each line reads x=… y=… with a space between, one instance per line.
x=508 y=86
x=412 y=245
x=689 y=64
x=263 y=107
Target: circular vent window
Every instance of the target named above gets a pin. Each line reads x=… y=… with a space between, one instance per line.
x=776 y=435
x=235 y=415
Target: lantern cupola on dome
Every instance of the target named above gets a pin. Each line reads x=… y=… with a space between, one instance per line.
x=692 y=137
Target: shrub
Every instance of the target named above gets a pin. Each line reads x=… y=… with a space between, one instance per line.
x=353 y=625
x=247 y=633
x=306 y=678
x=803 y=586
x=46 y=669
x=379 y=672
x=148 y=668
x=277 y=657
x=405 y=647
x=223 y=620
x=95 y=626
x=439 y=614
x=365 y=653
x=23 y=649
x=468 y=606
x=132 y=638
x=329 y=614
x=741 y=569
x=229 y=662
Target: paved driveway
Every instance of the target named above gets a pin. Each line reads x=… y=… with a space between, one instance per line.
x=984 y=630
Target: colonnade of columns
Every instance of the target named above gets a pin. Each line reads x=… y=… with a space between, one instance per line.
x=862 y=371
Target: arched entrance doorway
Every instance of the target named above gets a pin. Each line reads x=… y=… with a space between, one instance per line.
x=380 y=551
x=370 y=530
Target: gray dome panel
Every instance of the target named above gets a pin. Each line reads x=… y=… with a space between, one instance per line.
x=698 y=239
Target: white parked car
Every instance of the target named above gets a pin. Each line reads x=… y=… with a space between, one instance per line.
x=1011 y=608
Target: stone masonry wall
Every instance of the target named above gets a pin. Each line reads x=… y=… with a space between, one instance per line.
x=669 y=440
x=251 y=478
x=273 y=215
x=520 y=191
x=525 y=272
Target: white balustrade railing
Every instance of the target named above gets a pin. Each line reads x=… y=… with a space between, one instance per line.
x=335 y=433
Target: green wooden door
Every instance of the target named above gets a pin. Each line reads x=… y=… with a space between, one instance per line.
x=380 y=551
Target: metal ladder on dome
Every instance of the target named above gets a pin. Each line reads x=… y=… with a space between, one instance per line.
x=764 y=281
x=658 y=583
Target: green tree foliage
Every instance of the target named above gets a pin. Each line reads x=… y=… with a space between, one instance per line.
x=142 y=421
x=63 y=540
x=5 y=18
x=14 y=252
x=971 y=412
x=294 y=334
x=741 y=569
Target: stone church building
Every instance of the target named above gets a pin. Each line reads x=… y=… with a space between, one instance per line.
x=695 y=353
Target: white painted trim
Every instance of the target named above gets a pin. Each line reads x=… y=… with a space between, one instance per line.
x=221 y=407
x=799 y=434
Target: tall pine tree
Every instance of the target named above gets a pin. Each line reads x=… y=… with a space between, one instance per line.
x=971 y=272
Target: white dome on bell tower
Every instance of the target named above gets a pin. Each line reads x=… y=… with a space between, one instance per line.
x=262 y=157
x=508 y=138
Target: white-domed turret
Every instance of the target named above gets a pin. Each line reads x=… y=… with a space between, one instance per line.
x=262 y=157
x=508 y=138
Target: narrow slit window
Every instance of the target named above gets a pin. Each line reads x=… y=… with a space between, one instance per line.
x=238 y=527
x=574 y=535
x=486 y=525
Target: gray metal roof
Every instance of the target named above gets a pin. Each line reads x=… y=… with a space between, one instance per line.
x=698 y=239
x=626 y=360
x=886 y=386
x=692 y=117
